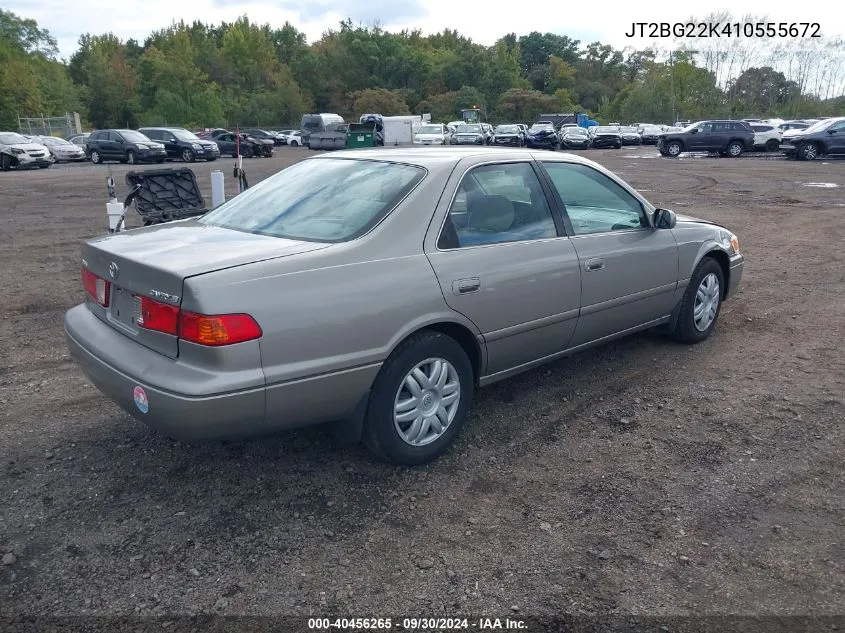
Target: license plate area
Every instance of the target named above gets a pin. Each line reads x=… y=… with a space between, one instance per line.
x=125 y=308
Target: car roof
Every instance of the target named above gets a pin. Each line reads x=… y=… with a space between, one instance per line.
x=438 y=157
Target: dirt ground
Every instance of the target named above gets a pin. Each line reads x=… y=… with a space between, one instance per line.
x=642 y=477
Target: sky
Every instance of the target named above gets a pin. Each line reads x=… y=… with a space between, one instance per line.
x=483 y=22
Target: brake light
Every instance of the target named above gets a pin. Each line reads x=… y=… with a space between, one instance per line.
x=212 y=330
x=158 y=316
x=220 y=329
x=98 y=289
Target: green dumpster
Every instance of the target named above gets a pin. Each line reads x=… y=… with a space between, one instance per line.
x=361 y=135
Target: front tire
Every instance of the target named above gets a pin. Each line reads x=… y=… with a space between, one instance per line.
x=96 y=158
x=420 y=400
x=772 y=145
x=701 y=303
x=130 y=158
x=188 y=156
x=808 y=151
x=5 y=162
x=294 y=144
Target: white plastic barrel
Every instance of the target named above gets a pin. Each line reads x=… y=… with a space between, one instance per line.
x=114 y=211
x=218 y=193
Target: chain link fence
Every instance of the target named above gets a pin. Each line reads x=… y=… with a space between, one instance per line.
x=62 y=126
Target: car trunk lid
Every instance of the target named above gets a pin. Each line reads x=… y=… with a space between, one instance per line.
x=154 y=262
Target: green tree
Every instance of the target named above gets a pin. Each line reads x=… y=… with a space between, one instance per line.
x=379 y=101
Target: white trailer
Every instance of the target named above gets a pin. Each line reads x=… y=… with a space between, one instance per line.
x=400 y=130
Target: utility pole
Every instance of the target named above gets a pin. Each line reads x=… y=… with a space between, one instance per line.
x=672 y=81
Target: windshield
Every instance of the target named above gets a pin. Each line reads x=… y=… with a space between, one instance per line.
x=132 y=136
x=185 y=135
x=606 y=129
x=574 y=130
x=629 y=130
x=818 y=126
x=10 y=138
x=319 y=200
x=469 y=129
x=537 y=127
x=507 y=129
x=431 y=129
x=52 y=140
x=311 y=123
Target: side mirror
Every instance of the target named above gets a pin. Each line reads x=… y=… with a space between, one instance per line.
x=694 y=130
x=831 y=131
x=665 y=219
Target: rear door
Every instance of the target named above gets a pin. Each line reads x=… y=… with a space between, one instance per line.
x=504 y=261
x=113 y=145
x=629 y=270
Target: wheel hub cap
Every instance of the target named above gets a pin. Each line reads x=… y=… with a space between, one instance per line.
x=426 y=402
x=706 y=302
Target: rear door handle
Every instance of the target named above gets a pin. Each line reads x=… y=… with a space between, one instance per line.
x=464 y=286
x=594 y=263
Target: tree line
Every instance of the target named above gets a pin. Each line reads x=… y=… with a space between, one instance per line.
x=245 y=73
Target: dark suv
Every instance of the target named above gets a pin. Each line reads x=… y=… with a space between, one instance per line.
x=727 y=138
x=180 y=143
x=125 y=146
x=825 y=138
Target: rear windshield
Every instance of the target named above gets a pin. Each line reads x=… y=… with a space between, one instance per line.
x=319 y=200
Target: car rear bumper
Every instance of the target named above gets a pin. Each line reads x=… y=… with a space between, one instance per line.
x=117 y=365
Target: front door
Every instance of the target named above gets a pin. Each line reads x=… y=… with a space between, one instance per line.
x=836 y=138
x=504 y=262
x=629 y=270
x=700 y=140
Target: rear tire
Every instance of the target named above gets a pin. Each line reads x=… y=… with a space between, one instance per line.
x=385 y=433
x=772 y=145
x=734 y=149
x=5 y=162
x=701 y=300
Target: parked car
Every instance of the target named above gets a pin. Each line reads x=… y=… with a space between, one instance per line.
x=264 y=135
x=604 y=136
x=630 y=135
x=18 y=151
x=650 y=133
x=725 y=137
x=825 y=138
x=766 y=137
x=125 y=146
x=61 y=150
x=181 y=325
x=283 y=135
x=488 y=132
x=432 y=134
x=542 y=135
x=79 y=139
x=182 y=144
x=231 y=144
x=469 y=134
x=793 y=125
x=294 y=139
x=575 y=138
x=508 y=134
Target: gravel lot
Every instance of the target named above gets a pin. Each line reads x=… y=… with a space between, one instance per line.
x=642 y=477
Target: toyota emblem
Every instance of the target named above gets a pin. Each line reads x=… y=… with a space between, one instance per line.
x=113 y=270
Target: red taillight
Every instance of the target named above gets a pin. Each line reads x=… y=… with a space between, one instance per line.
x=219 y=329
x=159 y=316
x=97 y=288
x=212 y=330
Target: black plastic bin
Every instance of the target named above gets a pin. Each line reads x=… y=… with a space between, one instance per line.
x=164 y=195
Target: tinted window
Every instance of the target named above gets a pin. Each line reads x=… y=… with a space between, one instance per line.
x=762 y=128
x=496 y=204
x=838 y=126
x=321 y=200
x=594 y=202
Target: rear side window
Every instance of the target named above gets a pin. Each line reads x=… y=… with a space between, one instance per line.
x=319 y=200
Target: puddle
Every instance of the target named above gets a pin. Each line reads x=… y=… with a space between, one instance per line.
x=641 y=156
x=823 y=185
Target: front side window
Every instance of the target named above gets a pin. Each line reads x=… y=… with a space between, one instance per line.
x=594 y=202
x=319 y=200
x=496 y=204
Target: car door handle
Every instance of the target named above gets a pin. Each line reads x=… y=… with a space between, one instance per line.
x=464 y=286
x=594 y=263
